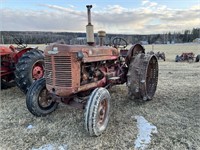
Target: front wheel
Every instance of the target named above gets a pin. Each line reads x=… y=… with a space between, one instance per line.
x=38 y=101
x=97 y=112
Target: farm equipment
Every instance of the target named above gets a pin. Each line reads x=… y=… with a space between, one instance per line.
x=185 y=57
x=79 y=75
x=21 y=64
x=159 y=55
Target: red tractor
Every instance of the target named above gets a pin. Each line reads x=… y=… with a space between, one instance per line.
x=80 y=76
x=185 y=57
x=20 y=64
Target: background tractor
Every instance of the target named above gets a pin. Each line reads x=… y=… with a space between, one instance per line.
x=80 y=76
x=159 y=55
x=185 y=57
x=21 y=64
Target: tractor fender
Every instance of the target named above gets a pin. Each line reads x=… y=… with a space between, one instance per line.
x=21 y=52
x=133 y=51
x=5 y=50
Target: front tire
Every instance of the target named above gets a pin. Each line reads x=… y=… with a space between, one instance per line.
x=38 y=102
x=97 y=112
x=29 y=68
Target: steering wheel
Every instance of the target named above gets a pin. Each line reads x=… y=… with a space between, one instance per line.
x=20 y=43
x=119 y=42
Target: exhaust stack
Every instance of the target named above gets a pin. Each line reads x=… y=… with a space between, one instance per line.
x=89 y=27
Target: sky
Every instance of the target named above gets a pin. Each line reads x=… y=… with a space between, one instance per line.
x=119 y=16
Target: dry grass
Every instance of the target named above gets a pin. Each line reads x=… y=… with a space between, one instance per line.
x=175 y=110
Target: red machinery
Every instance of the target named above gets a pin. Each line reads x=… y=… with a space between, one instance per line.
x=80 y=75
x=22 y=64
x=185 y=57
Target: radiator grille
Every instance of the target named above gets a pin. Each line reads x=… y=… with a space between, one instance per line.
x=59 y=68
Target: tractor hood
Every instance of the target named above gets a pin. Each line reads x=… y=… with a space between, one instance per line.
x=86 y=53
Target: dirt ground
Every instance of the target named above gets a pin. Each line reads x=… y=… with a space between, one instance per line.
x=175 y=111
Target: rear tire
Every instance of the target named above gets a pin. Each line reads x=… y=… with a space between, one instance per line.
x=37 y=100
x=97 y=112
x=29 y=68
x=197 y=58
x=142 y=77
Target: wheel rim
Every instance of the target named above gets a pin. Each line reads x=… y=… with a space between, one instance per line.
x=38 y=71
x=152 y=77
x=102 y=112
x=44 y=100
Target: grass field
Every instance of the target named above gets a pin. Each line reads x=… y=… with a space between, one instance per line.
x=175 y=111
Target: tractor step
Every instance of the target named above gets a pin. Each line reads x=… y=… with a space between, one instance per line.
x=114 y=78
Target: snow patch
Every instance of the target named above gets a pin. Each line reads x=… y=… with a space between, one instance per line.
x=52 y=147
x=30 y=126
x=144 y=136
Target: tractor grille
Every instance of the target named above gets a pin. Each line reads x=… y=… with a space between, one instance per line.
x=59 y=69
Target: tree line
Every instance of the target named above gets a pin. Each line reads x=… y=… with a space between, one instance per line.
x=33 y=37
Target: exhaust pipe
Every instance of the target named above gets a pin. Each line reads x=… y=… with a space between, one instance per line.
x=89 y=27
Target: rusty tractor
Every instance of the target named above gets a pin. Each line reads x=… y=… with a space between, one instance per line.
x=185 y=57
x=159 y=55
x=80 y=76
x=20 y=65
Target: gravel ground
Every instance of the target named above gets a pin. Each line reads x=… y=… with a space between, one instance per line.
x=175 y=111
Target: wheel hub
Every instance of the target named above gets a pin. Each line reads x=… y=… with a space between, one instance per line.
x=102 y=111
x=38 y=72
x=44 y=100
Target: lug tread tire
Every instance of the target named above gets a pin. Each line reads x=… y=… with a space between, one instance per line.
x=23 y=71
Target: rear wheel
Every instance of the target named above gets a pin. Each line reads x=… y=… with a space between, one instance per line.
x=97 y=112
x=29 y=68
x=142 y=76
x=197 y=58
x=38 y=101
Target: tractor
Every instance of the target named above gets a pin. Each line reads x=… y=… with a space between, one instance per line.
x=20 y=65
x=159 y=55
x=185 y=57
x=81 y=75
